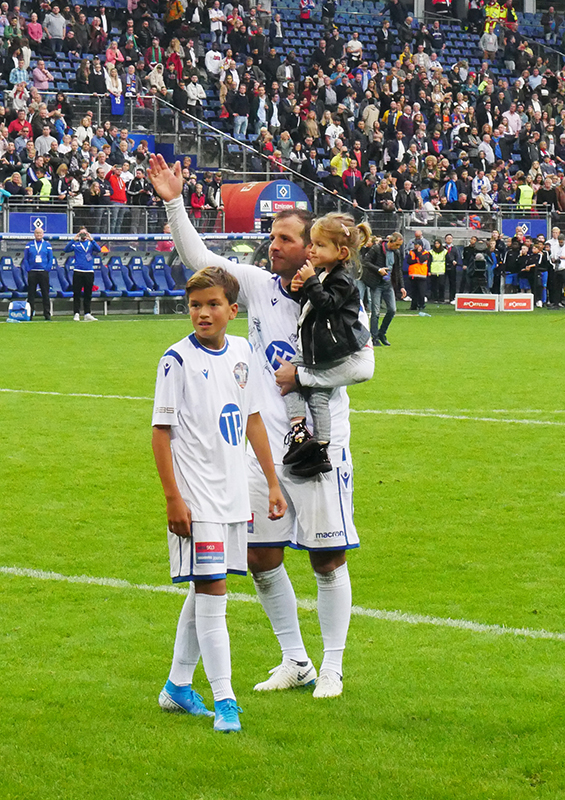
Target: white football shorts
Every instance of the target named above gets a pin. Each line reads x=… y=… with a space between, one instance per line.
x=320 y=509
x=214 y=550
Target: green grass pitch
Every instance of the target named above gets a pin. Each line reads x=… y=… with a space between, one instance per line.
x=460 y=518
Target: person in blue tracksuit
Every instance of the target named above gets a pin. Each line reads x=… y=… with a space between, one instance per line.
x=84 y=248
x=37 y=263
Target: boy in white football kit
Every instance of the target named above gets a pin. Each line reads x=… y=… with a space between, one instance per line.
x=207 y=399
x=320 y=513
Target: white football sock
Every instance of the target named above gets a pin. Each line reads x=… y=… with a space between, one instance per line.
x=334 y=612
x=186 y=653
x=214 y=642
x=279 y=601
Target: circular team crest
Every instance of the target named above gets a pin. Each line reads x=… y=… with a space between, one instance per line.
x=241 y=374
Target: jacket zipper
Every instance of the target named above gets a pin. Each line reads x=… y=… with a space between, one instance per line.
x=330 y=330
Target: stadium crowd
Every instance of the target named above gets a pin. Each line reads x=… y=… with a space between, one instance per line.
x=425 y=134
x=419 y=134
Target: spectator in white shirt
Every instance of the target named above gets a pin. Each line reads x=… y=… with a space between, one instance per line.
x=43 y=142
x=217 y=20
x=333 y=132
x=514 y=120
x=213 y=61
x=479 y=182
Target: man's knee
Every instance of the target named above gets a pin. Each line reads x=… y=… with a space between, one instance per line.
x=325 y=561
x=264 y=559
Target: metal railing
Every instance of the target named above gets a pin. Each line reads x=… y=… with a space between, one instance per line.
x=481 y=223
x=112 y=219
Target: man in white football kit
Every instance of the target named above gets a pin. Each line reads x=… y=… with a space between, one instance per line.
x=320 y=510
x=207 y=398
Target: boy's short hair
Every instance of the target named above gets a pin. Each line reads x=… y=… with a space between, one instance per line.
x=214 y=276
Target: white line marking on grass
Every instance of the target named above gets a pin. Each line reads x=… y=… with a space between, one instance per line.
x=307 y=605
x=393 y=412
x=399 y=412
x=77 y=394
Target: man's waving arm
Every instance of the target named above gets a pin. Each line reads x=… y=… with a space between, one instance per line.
x=192 y=250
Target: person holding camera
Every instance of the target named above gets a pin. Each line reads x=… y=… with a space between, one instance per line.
x=84 y=248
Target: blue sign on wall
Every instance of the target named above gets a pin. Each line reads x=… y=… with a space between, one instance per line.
x=529 y=227
x=281 y=195
x=19 y=222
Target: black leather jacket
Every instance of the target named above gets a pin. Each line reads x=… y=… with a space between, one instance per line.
x=332 y=329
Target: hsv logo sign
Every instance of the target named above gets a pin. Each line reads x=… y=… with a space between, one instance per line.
x=517 y=302
x=476 y=302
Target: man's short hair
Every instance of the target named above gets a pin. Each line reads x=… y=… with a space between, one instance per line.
x=306 y=217
x=214 y=276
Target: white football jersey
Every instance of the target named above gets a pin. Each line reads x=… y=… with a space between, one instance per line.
x=206 y=397
x=272 y=318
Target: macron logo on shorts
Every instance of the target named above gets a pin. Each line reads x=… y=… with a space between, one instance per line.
x=209 y=552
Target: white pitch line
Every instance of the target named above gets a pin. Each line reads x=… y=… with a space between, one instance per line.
x=393 y=412
x=405 y=413
x=307 y=605
x=77 y=394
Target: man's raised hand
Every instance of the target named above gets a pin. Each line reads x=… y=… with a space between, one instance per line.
x=166 y=182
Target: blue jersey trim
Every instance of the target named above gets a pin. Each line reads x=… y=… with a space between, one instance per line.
x=323 y=549
x=341 y=506
x=174 y=354
x=283 y=291
x=237 y=572
x=197 y=344
x=287 y=543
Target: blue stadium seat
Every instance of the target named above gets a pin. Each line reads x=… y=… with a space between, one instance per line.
x=5 y=293
x=57 y=288
x=102 y=279
x=8 y=279
x=20 y=278
x=149 y=279
x=120 y=278
x=163 y=278
x=142 y=279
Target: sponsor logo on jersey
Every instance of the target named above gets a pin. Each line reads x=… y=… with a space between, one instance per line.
x=241 y=374
x=278 y=348
x=231 y=424
x=209 y=552
x=329 y=534
x=167 y=368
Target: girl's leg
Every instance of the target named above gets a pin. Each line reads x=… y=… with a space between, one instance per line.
x=319 y=405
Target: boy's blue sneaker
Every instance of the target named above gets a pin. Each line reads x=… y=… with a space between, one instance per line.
x=227 y=716
x=182 y=699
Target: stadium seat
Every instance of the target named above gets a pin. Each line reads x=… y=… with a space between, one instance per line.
x=142 y=279
x=8 y=279
x=20 y=278
x=121 y=278
x=56 y=287
x=5 y=293
x=163 y=278
x=103 y=281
